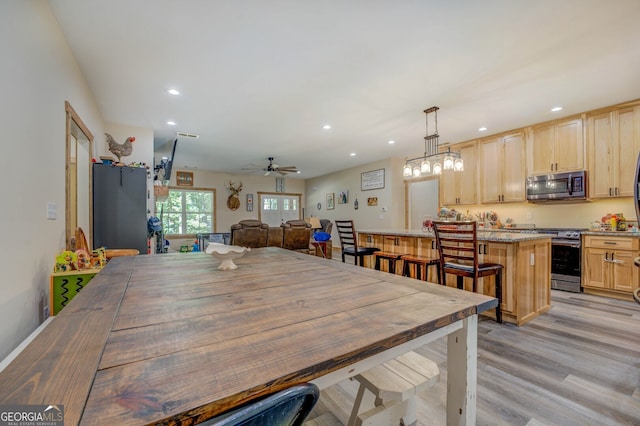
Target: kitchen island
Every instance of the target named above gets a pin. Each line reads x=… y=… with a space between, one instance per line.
x=526 y=279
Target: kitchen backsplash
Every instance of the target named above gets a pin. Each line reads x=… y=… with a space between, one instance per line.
x=558 y=215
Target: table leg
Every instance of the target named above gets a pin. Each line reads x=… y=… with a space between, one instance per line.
x=462 y=362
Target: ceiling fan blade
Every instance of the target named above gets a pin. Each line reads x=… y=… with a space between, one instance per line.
x=281 y=173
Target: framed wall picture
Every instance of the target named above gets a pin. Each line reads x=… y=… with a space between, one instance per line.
x=343 y=197
x=184 y=178
x=331 y=201
x=372 y=180
x=249 y=202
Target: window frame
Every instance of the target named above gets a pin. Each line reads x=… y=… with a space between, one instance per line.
x=183 y=189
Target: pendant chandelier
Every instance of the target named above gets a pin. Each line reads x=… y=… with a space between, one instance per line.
x=433 y=162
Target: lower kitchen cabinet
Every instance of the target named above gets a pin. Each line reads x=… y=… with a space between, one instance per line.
x=608 y=268
x=526 y=260
x=368 y=240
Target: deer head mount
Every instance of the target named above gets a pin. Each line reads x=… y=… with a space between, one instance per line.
x=233 y=202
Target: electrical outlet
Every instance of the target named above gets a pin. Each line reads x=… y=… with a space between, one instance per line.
x=45 y=313
x=532 y=259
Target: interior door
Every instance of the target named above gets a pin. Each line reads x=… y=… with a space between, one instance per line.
x=276 y=209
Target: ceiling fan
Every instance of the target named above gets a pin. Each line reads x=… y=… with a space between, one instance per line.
x=273 y=168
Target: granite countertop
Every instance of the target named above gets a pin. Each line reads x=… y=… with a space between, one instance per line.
x=497 y=235
x=612 y=233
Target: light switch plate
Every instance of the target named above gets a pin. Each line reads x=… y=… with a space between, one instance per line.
x=52 y=211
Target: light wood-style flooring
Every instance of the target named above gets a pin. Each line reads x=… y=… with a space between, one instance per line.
x=579 y=364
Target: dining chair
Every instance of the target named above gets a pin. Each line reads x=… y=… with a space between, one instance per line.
x=457 y=245
x=349 y=242
x=289 y=407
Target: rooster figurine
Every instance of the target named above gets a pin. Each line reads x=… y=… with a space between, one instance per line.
x=120 y=149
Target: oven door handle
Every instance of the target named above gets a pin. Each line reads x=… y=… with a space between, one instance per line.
x=565 y=244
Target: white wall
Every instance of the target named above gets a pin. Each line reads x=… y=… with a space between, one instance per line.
x=39 y=73
x=390 y=198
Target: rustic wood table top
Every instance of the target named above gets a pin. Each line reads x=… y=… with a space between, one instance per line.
x=170 y=338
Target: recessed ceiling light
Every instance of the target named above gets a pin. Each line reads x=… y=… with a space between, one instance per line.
x=171 y=123
x=353 y=154
x=298 y=171
x=556 y=109
x=482 y=129
x=173 y=92
x=327 y=127
x=392 y=142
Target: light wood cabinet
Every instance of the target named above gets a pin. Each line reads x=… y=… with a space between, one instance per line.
x=399 y=245
x=526 y=275
x=502 y=169
x=613 y=144
x=426 y=247
x=369 y=240
x=608 y=267
x=461 y=187
x=556 y=147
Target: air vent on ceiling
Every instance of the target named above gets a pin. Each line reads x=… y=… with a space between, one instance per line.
x=188 y=135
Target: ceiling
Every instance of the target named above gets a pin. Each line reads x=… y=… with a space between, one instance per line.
x=261 y=78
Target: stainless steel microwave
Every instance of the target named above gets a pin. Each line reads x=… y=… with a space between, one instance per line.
x=557 y=187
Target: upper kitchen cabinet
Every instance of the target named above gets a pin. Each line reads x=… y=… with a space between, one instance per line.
x=502 y=168
x=461 y=187
x=557 y=146
x=613 y=142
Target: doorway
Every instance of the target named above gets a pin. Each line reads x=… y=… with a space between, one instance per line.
x=422 y=196
x=276 y=209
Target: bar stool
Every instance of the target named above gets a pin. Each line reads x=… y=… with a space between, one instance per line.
x=391 y=258
x=421 y=264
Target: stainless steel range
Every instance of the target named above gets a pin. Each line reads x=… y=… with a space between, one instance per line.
x=566 y=257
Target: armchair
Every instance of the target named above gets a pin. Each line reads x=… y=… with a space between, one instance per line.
x=249 y=233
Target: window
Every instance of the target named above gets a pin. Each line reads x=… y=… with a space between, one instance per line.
x=187 y=212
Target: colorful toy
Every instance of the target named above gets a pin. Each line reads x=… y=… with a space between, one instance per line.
x=66 y=261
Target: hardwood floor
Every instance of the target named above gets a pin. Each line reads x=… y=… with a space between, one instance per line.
x=579 y=364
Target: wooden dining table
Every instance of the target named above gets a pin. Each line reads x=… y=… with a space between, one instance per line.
x=171 y=339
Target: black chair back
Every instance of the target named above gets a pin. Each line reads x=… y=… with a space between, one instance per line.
x=289 y=407
x=349 y=242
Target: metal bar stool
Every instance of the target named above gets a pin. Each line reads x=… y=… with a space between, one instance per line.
x=391 y=258
x=421 y=264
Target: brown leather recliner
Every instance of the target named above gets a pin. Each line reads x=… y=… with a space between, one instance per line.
x=296 y=235
x=249 y=233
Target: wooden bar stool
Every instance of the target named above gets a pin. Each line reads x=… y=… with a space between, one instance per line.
x=421 y=264
x=457 y=243
x=391 y=258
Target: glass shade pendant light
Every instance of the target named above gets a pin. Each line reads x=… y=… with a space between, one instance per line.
x=433 y=161
x=447 y=163
x=458 y=165
x=437 y=168
x=425 y=166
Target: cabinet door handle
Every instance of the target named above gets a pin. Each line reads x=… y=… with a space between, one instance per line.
x=433 y=245
x=617 y=192
x=611 y=243
x=479 y=248
x=485 y=248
